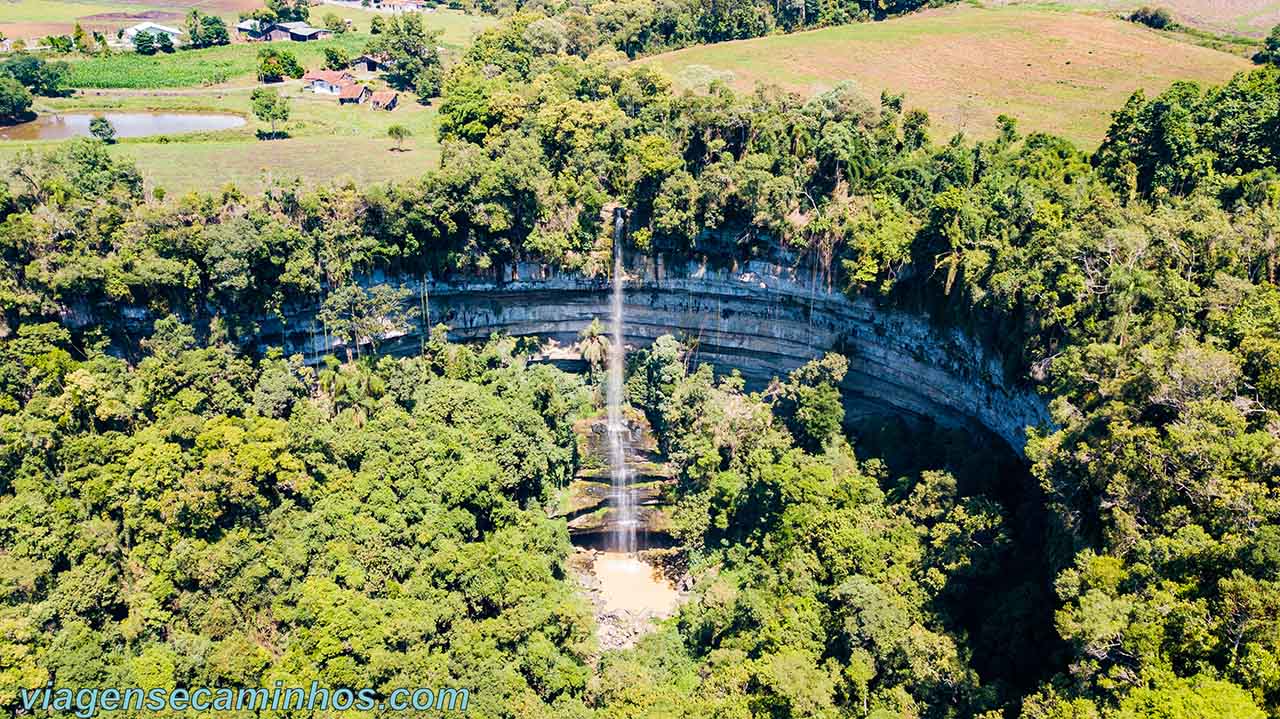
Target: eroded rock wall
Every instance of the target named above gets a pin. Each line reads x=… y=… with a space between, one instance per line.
x=763 y=318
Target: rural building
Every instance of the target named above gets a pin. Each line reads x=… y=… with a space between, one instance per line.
x=384 y=100
x=396 y=6
x=251 y=29
x=353 y=94
x=295 y=31
x=268 y=31
x=152 y=28
x=327 y=82
x=371 y=63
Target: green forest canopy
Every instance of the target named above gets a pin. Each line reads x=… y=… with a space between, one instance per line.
x=182 y=511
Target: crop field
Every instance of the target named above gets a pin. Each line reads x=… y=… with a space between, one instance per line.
x=1056 y=71
x=326 y=142
x=187 y=68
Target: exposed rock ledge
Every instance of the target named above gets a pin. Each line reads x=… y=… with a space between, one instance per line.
x=763 y=318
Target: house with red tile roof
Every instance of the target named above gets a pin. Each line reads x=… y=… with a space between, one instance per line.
x=384 y=100
x=353 y=94
x=327 y=82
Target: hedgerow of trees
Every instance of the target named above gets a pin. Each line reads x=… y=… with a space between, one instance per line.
x=646 y=27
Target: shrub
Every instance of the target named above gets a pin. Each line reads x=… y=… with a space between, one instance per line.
x=61 y=44
x=1153 y=17
x=144 y=43
x=1270 y=52
x=336 y=58
x=335 y=24
x=101 y=128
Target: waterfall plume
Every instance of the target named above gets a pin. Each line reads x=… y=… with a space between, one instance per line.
x=624 y=533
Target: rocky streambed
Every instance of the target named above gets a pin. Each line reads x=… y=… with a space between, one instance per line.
x=629 y=592
x=590 y=504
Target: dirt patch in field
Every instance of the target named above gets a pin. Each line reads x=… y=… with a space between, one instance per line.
x=228 y=7
x=1055 y=71
x=27 y=30
x=121 y=17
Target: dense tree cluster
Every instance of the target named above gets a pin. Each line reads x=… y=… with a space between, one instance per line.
x=15 y=100
x=1158 y=18
x=412 y=53
x=206 y=30
x=201 y=518
x=1189 y=135
x=41 y=77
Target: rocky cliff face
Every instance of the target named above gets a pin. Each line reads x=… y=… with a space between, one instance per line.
x=763 y=318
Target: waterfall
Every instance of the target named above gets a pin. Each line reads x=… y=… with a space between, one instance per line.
x=624 y=532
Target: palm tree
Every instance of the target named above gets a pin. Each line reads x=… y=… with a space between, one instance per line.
x=398 y=133
x=593 y=343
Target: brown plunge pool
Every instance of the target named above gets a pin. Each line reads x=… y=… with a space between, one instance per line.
x=61 y=126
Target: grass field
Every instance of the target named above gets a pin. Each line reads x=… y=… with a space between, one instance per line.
x=458 y=28
x=1252 y=18
x=1054 y=70
x=326 y=141
x=208 y=166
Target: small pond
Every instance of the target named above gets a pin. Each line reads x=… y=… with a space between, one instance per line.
x=60 y=126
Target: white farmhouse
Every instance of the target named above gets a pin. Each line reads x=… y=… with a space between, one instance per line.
x=154 y=29
x=327 y=82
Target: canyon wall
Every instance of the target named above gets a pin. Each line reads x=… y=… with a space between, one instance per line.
x=762 y=317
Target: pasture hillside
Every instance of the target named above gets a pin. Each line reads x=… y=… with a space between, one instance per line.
x=1054 y=70
x=1251 y=18
x=33 y=19
x=29 y=19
